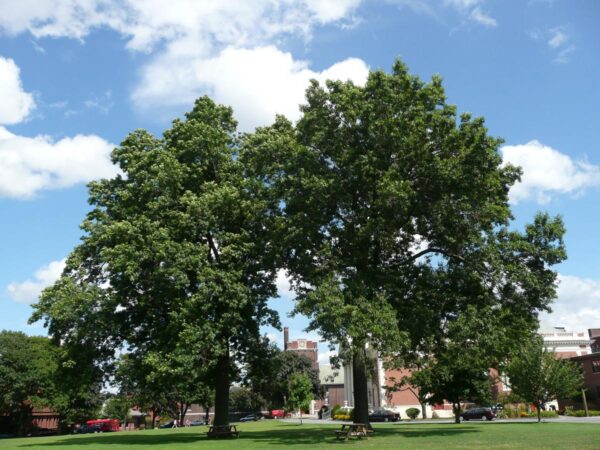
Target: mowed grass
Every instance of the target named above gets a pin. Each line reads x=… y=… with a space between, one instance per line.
x=278 y=434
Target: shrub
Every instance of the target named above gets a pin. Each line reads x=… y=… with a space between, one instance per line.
x=412 y=413
x=581 y=413
x=335 y=411
x=545 y=414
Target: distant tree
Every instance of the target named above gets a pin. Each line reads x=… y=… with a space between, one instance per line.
x=458 y=370
x=78 y=384
x=271 y=369
x=300 y=393
x=467 y=316
x=118 y=407
x=538 y=376
x=243 y=399
x=28 y=366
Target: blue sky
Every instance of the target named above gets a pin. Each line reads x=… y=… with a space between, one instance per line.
x=77 y=75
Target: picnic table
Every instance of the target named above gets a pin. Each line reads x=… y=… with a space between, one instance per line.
x=357 y=430
x=218 y=431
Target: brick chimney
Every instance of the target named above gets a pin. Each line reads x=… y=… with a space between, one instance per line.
x=286 y=337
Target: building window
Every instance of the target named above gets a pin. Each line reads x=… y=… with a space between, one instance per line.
x=596 y=366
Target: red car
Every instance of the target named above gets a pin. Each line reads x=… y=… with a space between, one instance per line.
x=279 y=414
x=104 y=424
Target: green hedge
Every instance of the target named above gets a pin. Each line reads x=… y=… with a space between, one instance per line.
x=581 y=413
x=412 y=413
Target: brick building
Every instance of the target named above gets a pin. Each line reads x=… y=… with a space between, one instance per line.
x=303 y=347
x=590 y=365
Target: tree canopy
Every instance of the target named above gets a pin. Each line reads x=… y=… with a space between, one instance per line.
x=175 y=252
x=375 y=179
x=538 y=375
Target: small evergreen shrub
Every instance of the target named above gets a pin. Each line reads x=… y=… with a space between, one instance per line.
x=412 y=413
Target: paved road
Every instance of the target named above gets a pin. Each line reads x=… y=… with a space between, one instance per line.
x=559 y=419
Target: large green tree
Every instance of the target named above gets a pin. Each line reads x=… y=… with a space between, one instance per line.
x=374 y=179
x=538 y=375
x=176 y=252
x=472 y=314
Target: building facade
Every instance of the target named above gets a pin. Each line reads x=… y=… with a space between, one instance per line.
x=303 y=347
x=567 y=344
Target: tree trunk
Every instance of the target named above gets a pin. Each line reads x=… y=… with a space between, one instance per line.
x=424 y=410
x=539 y=411
x=222 y=390
x=207 y=413
x=153 y=417
x=456 y=410
x=359 y=375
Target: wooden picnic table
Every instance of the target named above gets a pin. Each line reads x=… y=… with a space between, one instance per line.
x=222 y=431
x=357 y=430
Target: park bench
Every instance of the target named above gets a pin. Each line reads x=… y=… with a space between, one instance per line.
x=217 y=431
x=357 y=430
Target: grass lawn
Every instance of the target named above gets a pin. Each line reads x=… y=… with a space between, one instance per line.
x=277 y=434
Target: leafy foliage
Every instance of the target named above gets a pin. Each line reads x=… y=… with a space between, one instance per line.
x=412 y=413
x=270 y=370
x=176 y=252
x=538 y=376
x=300 y=393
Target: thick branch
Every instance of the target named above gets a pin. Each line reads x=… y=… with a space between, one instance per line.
x=431 y=250
x=213 y=247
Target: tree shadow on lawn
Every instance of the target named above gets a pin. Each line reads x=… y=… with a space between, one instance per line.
x=121 y=438
x=297 y=435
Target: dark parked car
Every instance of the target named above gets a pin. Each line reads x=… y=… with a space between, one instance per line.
x=250 y=418
x=383 y=415
x=167 y=424
x=86 y=429
x=479 y=413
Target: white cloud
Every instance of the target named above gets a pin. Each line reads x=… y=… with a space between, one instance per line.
x=258 y=83
x=467 y=9
x=28 y=291
x=324 y=357
x=15 y=103
x=284 y=289
x=548 y=172
x=557 y=38
x=472 y=9
x=332 y=10
x=558 y=41
x=480 y=17
x=29 y=165
x=273 y=337
x=576 y=307
x=232 y=22
x=220 y=47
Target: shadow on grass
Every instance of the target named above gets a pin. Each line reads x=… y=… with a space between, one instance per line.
x=296 y=435
x=121 y=438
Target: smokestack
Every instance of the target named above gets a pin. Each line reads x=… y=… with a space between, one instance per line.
x=286 y=337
